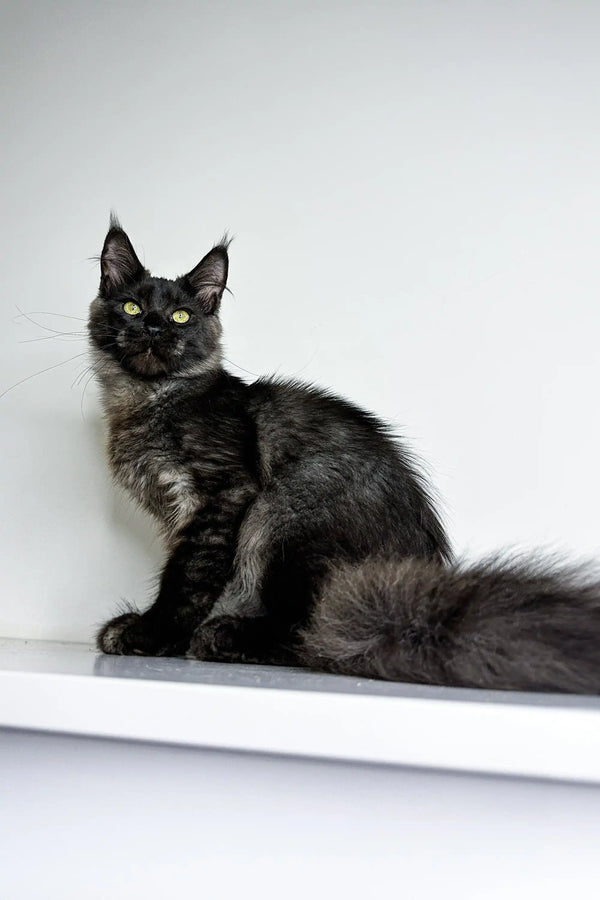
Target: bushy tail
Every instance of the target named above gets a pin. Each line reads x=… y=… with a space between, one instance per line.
x=501 y=623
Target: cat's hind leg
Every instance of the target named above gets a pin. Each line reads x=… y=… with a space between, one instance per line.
x=239 y=628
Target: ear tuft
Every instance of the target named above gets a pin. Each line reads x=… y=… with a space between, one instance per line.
x=119 y=264
x=113 y=222
x=208 y=279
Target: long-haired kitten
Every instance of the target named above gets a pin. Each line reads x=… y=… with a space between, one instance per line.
x=298 y=530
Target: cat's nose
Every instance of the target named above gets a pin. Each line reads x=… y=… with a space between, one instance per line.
x=153 y=323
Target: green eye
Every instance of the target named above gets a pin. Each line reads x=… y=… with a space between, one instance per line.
x=131 y=308
x=181 y=316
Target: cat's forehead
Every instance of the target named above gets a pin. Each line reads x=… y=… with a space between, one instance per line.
x=159 y=292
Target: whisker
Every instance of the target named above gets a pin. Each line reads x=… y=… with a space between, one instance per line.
x=49 y=337
x=35 y=374
x=98 y=365
x=305 y=366
x=96 y=368
x=241 y=368
x=43 y=312
x=81 y=375
x=94 y=373
x=79 y=378
x=33 y=322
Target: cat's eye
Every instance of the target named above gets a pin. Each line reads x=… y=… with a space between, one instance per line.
x=131 y=308
x=181 y=316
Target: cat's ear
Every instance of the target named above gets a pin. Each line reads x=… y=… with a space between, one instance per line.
x=119 y=264
x=208 y=279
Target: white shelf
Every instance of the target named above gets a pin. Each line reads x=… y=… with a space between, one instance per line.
x=68 y=688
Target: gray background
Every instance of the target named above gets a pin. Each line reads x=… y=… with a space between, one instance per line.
x=414 y=191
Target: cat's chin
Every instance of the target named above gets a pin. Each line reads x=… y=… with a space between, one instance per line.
x=147 y=363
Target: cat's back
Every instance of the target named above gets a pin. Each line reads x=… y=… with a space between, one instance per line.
x=285 y=405
x=298 y=422
x=323 y=454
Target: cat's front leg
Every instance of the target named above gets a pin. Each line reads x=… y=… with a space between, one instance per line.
x=192 y=580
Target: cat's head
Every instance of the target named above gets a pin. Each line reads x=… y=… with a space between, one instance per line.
x=156 y=327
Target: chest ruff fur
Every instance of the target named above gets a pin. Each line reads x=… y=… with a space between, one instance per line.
x=145 y=459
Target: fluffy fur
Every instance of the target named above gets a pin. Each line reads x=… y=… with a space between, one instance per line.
x=503 y=623
x=299 y=531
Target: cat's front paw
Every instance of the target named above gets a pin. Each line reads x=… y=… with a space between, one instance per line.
x=126 y=635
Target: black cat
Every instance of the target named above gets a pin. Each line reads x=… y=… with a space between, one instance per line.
x=299 y=531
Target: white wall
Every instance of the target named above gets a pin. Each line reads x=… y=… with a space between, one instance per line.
x=414 y=189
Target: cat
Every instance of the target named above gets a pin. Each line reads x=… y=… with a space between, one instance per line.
x=298 y=530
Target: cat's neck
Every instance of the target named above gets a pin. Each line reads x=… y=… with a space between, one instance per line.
x=122 y=393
